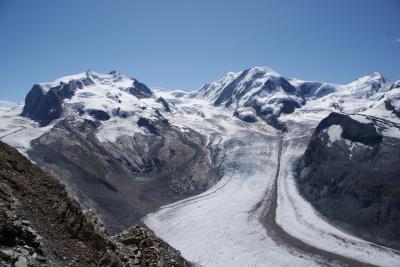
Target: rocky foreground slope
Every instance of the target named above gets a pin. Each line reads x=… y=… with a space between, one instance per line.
x=40 y=225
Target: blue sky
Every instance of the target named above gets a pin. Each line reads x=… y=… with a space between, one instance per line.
x=184 y=44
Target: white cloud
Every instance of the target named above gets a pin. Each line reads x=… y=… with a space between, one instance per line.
x=397 y=40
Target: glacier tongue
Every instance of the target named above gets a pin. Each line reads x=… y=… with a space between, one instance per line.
x=221 y=227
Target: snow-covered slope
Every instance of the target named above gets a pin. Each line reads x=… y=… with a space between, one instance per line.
x=16 y=130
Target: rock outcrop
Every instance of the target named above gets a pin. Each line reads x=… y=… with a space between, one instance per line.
x=164 y=103
x=392 y=101
x=45 y=104
x=350 y=173
x=141 y=247
x=140 y=90
x=40 y=223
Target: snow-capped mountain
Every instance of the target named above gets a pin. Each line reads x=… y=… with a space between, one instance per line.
x=224 y=173
x=98 y=95
x=261 y=92
x=109 y=139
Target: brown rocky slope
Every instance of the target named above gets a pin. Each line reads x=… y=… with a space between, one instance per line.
x=41 y=225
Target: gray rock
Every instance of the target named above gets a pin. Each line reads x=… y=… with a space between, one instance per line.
x=355 y=181
x=21 y=262
x=44 y=105
x=140 y=90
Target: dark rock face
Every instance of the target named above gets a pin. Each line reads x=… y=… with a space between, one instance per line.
x=140 y=90
x=391 y=107
x=355 y=184
x=40 y=225
x=143 y=122
x=316 y=89
x=271 y=85
x=288 y=105
x=138 y=173
x=43 y=107
x=99 y=114
x=268 y=116
x=353 y=130
x=246 y=118
x=164 y=103
x=390 y=101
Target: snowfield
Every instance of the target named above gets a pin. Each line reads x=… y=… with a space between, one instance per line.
x=18 y=131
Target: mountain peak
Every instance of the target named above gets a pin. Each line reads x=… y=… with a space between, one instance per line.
x=369 y=83
x=376 y=74
x=264 y=69
x=370 y=77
